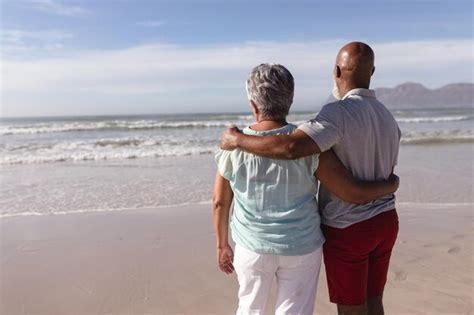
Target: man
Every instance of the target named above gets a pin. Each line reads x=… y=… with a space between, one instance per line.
x=365 y=137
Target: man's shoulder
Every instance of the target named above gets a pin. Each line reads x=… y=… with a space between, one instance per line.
x=382 y=109
x=332 y=110
x=332 y=106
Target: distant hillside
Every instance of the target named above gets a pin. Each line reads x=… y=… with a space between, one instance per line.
x=408 y=95
x=415 y=95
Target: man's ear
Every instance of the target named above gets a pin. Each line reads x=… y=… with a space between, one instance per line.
x=373 y=70
x=337 y=71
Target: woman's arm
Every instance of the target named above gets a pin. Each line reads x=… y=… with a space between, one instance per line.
x=337 y=179
x=221 y=202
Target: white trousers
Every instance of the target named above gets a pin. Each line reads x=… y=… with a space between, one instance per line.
x=296 y=276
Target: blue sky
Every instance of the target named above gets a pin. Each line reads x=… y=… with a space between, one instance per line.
x=62 y=57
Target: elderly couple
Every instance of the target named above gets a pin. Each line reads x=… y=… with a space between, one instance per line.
x=281 y=222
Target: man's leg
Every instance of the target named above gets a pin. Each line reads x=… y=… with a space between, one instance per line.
x=375 y=306
x=352 y=310
x=379 y=260
x=346 y=257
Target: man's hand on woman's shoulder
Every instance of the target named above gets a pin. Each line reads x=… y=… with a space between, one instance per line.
x=229 y=138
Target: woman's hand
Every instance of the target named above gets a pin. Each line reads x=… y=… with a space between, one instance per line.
x=394 y=181
x=225 y=258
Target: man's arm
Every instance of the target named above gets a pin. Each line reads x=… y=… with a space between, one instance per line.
x=338 y=180
x=221 y=202
x=283 y=147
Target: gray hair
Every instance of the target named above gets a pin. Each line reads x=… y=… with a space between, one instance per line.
x=271 y=87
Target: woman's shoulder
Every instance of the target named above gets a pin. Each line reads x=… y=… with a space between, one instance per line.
x=292 y=127
x=227 y=162
x=284 y=130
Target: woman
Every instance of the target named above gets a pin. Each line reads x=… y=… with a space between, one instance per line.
x=275 y=222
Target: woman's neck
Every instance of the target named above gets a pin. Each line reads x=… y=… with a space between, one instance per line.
x=264 y=124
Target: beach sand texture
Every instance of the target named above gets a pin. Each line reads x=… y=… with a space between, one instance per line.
x=143 y=262
x=162 y=260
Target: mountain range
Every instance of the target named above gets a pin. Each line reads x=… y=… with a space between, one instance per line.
x=415 y=95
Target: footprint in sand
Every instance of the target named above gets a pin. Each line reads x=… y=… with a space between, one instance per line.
x=454 y=250
x=156 y=243
x=400 y=275
x=26 y=247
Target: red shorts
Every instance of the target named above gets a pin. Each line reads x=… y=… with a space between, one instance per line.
x=357 y=258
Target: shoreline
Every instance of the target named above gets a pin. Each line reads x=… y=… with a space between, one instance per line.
x=208 y=203
x=91 y=211
x=429 y=175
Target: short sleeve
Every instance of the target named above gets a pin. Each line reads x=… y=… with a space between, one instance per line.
x=224 y=164
x=396 y=152
x=314 y=163
x=326 y=129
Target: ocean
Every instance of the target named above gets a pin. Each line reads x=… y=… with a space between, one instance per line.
x=66 y=165
x=50 y=140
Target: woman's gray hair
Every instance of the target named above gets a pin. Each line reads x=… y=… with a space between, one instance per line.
x=271 y=87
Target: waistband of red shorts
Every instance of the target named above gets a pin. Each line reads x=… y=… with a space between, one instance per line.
x=384 y=218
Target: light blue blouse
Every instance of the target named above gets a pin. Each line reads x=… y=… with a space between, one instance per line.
x=275 y=207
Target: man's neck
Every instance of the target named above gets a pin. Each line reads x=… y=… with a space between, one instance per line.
x=349 y=87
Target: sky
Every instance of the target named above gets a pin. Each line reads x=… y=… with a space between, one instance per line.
x=119 y=57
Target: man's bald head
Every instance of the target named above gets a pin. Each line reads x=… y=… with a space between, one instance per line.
x=354 y=66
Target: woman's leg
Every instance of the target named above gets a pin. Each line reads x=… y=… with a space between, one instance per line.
x=255 y=273
x=297 y=281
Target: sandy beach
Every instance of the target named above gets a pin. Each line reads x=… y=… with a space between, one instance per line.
x=161 y=259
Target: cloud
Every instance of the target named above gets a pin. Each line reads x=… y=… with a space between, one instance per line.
x=54 y=7
x=18 y=36
x=164 y=76
x=16 y=42
x=151 y=23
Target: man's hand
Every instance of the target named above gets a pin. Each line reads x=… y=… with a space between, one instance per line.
x=229 y=139
x=225 y=258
